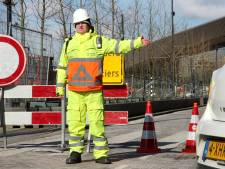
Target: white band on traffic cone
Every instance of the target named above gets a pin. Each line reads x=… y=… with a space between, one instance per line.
x=148 y=134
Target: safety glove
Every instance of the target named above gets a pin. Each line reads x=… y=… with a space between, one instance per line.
x=60 y=91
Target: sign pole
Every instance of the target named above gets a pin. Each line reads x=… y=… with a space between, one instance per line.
x=13 y=64
x=63 y=121
x=2 y=113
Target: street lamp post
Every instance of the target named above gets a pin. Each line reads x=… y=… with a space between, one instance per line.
x=8 y=3
x=172 y=49
x=81 y=4
x=216 y=57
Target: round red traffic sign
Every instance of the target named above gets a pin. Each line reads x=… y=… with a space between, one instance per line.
x=12 y=60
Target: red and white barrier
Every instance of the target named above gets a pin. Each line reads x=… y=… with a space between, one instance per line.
x=115 y=117
x=54 y=118
x=48 y=91
x=115 y=91
x=28 y=91
x=32 y=118
x=57 y=117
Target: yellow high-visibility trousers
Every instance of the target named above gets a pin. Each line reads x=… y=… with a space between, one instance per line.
x=80 y=103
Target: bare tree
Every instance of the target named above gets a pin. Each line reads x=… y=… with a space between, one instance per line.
x=96 y=15
x=164 y=22
x=22 y=21
x=133 y=21
x=151 y=11
x=62 y=17
x=64 y=11
x=43 y=11
x=113 y=17
x=20 y=11
x=102 y=10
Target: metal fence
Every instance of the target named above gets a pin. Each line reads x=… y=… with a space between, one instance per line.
x=41 y=59
x=42 y=51
x=151 y=79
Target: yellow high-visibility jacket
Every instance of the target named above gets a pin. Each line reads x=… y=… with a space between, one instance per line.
x=80 y=63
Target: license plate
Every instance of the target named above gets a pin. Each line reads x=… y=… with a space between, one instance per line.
x=214 y=150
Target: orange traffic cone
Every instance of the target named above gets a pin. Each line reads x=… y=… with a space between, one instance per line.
x=148 y=140
x=191 y=142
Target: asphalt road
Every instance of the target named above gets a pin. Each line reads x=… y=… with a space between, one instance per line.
x=41 y=150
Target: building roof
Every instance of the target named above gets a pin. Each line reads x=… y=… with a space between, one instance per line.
x=192 y=41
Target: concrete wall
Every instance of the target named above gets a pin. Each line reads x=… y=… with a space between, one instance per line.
x=138 y=108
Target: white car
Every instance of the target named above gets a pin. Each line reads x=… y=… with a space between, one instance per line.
x=210 y=134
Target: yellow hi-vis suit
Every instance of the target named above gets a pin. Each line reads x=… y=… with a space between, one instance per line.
x=80 y=66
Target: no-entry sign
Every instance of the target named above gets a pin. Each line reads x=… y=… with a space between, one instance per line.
x=12 y=60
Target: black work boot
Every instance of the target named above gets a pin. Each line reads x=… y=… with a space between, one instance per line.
x=103 y=160
x=74 y=157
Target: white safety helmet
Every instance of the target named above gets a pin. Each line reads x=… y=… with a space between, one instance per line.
x=80 y=15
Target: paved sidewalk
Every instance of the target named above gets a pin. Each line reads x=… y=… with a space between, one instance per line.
x=44 y=153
